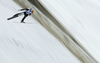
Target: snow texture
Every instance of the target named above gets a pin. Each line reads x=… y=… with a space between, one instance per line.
x=81 y=18
x=29 y=42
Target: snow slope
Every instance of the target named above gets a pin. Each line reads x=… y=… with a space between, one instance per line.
x=81 y=18
x=29 y=42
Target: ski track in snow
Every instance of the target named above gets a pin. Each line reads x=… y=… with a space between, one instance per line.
x=87 y=12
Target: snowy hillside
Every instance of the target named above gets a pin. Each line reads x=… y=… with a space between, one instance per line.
x=82 y=19
x=29 y=42
x=68 y=33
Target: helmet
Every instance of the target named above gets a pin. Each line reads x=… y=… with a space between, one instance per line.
x=32 y=11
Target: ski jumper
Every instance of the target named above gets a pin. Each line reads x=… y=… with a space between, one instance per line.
x=26 y=13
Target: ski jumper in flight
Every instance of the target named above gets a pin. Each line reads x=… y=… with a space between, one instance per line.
x=26 y=13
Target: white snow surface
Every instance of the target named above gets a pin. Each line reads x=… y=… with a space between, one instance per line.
x=81 y=18
x=30 y=42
